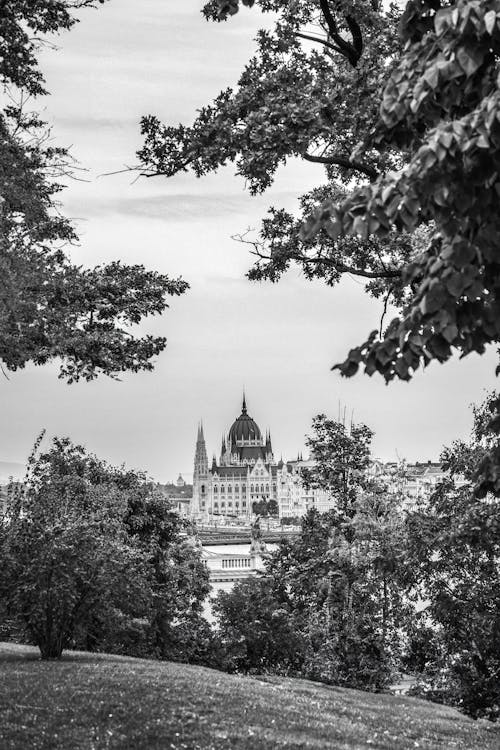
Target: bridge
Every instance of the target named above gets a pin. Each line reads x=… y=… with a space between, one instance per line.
x=241 y=535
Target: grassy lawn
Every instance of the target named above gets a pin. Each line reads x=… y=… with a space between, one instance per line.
x=90 y=702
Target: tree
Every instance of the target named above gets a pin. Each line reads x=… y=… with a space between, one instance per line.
x=265 y=507
x=180 y=579
x=64 y=554
x=345 y=575
x=312 y=91
x=49 y=307
x=93 y=557
x=341 y=456
x=440 y=105
x=344 y=591
x=454 y=556
x=256 y=629
x=406 y=102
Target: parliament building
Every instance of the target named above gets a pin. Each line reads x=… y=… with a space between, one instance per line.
x=247 y=472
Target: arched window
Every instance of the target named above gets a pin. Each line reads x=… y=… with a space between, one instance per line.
x=267 y=489
x=202 y=489
x=251 y=488
x=216 y=489
x=229 y=489
x=262 y=488
x=236 y=488
x=222 y=489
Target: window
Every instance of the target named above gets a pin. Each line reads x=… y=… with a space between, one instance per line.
x=202 y=489
x=236 y=488
x=267 y=489
x=216 y=489
x=222 y=489
x=244 y=504
x=229 y=489
x=223 y=504
x=251 y=488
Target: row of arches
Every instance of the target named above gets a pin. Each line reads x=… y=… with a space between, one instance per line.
x=254 y=488
x=229 y=504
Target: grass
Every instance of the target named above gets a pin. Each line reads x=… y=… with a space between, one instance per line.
x=96 y=702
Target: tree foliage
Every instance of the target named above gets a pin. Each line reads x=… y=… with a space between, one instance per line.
x=92 y=556
x=64 y=552
x=312 y=91
x=402 y=109
x=265 y=507
x=49 y=307
x=341 y=456
x=454 y=555
x=256 y=628
x=440 y=106
x=339 y=585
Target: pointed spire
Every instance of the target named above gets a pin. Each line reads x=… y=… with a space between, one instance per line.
x=244 y=404
x=200 y=458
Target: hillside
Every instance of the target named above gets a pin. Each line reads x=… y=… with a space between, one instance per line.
x=92 y=702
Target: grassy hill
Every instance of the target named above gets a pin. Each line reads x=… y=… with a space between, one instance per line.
x=94 y=702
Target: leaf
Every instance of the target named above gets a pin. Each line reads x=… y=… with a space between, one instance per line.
x=469 y=59
x=434 y=299
x=490 y=20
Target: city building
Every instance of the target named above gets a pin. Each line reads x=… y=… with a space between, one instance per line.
x=246 y=473
x=294 y=497
x=179 y=496
x=412 y=481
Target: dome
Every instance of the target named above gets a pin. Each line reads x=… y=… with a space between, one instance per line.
x=244 y=429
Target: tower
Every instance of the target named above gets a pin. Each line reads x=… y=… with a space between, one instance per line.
x=200 y=475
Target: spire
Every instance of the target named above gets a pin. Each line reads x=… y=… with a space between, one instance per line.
x=200 y=437
x=200 y=457
x=244 y=404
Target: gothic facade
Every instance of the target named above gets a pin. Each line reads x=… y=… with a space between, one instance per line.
x=246 y=471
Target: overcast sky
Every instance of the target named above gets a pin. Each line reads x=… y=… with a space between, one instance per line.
x=276 y=341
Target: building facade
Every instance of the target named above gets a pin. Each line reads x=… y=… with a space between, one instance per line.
x=414 y=482
x=246 y=473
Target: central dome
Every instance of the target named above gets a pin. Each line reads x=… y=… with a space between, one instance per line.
x=244 y=429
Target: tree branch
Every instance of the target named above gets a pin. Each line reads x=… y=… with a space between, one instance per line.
x=343 y=161
x=343 y=268
x=318 y=39
x=351 y=52
x=357 y=37
x=384 y=312
x=300 y=258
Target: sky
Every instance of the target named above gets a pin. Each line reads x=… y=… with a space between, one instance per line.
x=226 y=334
